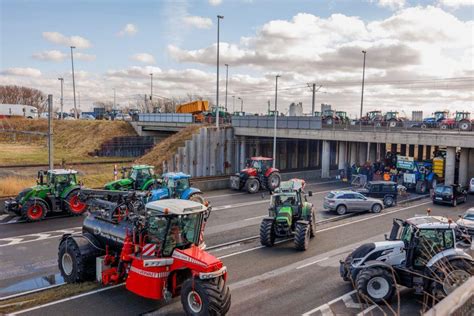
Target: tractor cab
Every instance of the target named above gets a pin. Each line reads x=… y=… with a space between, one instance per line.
x=391 y=115
x=175 y=224
x=140 y=175
x=373 y=116
x=462 y=116
x=440 y=115
x=57 y=179
x=317 y=114
x=176 y=185
x=342 y=115
x=256 y=165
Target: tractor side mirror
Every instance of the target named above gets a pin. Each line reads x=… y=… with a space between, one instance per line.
x=310 y=193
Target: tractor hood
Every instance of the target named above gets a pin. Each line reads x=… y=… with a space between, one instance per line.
x=158 y=194
x=429 y=120
x=196 y=256
x=249 y=171
x=379 y=247
x=119 y=182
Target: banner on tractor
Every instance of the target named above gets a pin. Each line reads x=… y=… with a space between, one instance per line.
x=404 y=162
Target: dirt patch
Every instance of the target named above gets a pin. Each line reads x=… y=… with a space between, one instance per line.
x=168 y=148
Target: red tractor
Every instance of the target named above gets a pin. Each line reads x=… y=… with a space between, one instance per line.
x=373 y=118
x=461 y=119
x=392 y=118
x=258 y=174
x=157 y=250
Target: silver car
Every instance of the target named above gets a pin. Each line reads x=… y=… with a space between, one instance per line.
x=350 y=201
x=466 y=221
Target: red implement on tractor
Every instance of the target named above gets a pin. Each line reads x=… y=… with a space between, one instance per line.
x=461 y=120
x=258 y=174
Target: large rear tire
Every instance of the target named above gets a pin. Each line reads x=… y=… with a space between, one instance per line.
x=302 y=235
x=273 y=181
x=34 y=210
x=74 y=205
x=74 y=266
x=210 y=297
x=450 y=276
x=375 y=283
x=267 y=233
x=252 y=185
x=312 y=224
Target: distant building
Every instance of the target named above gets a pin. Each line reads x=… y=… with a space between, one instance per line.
x=296 y=109
x=417 y=116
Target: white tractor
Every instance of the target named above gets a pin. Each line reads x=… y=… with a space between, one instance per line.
x=427 y=253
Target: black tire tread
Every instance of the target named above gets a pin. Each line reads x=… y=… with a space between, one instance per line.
x=31 y=202
x=85 y=262
x=217 y=295
x=267 y=236
x=365 y=275
x=301 y=233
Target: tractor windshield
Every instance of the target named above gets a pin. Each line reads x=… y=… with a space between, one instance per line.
x=462 y=116
x=440 y=116
x=407 y=233
x=391 y=115
x=287 y=199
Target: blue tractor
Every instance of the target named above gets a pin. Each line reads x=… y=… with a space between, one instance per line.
x=175 y=185
x=417 y=175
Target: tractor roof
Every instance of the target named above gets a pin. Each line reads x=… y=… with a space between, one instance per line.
x=431 y=222
x=176 y=175
x=62 y=171
x=142 y=167
x=174 y=207
x=291 y=185
x=261 y=158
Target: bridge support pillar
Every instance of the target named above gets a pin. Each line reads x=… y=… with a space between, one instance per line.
x=470 y=171
x=353 y=159
x=187 y=157
x=463 y=166
x=325 y=159
x=242 y=152
x=229 y=151
x=192 y=156
x=205 y=150
x=341 y=164
x=450 y=165
x=403 y=150
x=213 y=139
x=363 y=153
x=428 y=152
x=372 y=152
x=181 y=159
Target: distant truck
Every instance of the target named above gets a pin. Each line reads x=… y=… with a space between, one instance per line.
x=12 y=110
x=196 y=108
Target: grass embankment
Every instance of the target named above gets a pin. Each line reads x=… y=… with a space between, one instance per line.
x=73 y=140
x=35 y=299
x=168 y=148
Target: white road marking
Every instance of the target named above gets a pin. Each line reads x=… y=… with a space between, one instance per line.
x=326 y=307
x=4 y=216
x=311 y=263
x=367 y=310
x=252 y=218
x=10 y=241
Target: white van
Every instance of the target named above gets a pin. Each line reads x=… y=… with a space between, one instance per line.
x=27 y=111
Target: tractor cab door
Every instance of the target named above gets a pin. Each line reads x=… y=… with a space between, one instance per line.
x=181 y=186
x=142 y=176
x=395 y=232
x=171 y=186
x=429 y=242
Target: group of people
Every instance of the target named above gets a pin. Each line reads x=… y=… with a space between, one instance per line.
x=374 y=171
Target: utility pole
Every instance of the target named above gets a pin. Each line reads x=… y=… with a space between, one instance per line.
x=219 y=17
x=233 y=103
x=275 y=121
x=268 y=110
x=50 y=132
x=314 y=90
x=151 y=89
x=362 y=95
x=61 y=117
x=73 y=82
x=226 y=82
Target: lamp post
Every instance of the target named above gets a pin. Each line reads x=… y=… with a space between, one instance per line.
x=226 y=83
x=73 y=82
x=151 y=88
x=219 y=17
x=233 y=103
x=62 y=81
x=362 y=95
x=241 y=104
x=275 y=121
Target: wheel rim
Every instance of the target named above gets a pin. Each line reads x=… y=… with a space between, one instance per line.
x=274 y=181
x=194 y=301
x=378 y=287
x=393 y=124
x=389 y=201
x=342 y=210
x=376 y=208
x=66 y=262
x=35 y=212
x=454 y=279
x=76 y=205
x=253 y=186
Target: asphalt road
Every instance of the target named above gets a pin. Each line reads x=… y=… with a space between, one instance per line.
x=263 y=281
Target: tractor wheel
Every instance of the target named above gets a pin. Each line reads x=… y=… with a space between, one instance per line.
x=388 y=201
x=74 y=205
x=392 y=123
x=421 y=187
x=34 y=210
x=378 y=124
x=267 y=233
x=196 y=197
x=210 y=297
x=75 y=267
x=375 y=283
x=423 y=126
x=376 y=208
x=329 y=121
x=464 y=126
x=444 y=126
x=341 y=210
x=273 y=181
x=302 y=235
x=252 y=185
x=312 y=224
x=449 y=276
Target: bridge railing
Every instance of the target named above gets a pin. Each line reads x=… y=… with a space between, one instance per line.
x=283 y=122
x=166 y=117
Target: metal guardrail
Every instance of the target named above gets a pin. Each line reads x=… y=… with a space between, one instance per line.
x=293 y=122
x=166 y=117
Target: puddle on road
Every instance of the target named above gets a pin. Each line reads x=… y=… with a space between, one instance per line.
x=32 y=284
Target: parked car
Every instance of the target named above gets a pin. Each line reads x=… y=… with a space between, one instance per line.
x=349 y=201
x=88 y=117
x=466 y=222
x=449 y=194
x=471 y=186
x=385 y=190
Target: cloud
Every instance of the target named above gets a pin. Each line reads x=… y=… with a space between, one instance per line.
x=215 y=2
x=60 y=39
x=456 y=3
x=58 y=56
x=392 y=4
x=22 y=72
x=129 y=29
x=144 y=58
x=197 y=21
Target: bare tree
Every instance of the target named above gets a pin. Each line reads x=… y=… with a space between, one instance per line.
x=23 y=95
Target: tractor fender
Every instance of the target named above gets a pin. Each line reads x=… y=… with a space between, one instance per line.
x=306 y=210
x=270 y=171
x=268 y=218
x=188 y=192
x=377 y=263
x=159 y=194
x=148 y=184
x=69 y=190
x=86 y=243
x=449 y=254
x=45 y=201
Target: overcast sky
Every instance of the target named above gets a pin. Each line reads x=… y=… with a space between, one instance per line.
x=420 y=54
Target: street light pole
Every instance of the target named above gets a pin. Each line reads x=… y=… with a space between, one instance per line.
x=61 y=116
x=362 y=95
x=226 y=83
x=233 y=103
x=275 y=121
x=151 y=89
x=241 y=105
x=73 y=82
x=219 y=17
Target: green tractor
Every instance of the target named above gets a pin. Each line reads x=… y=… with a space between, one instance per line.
x=140 y=177
x=58 y=193
x=290 y=215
